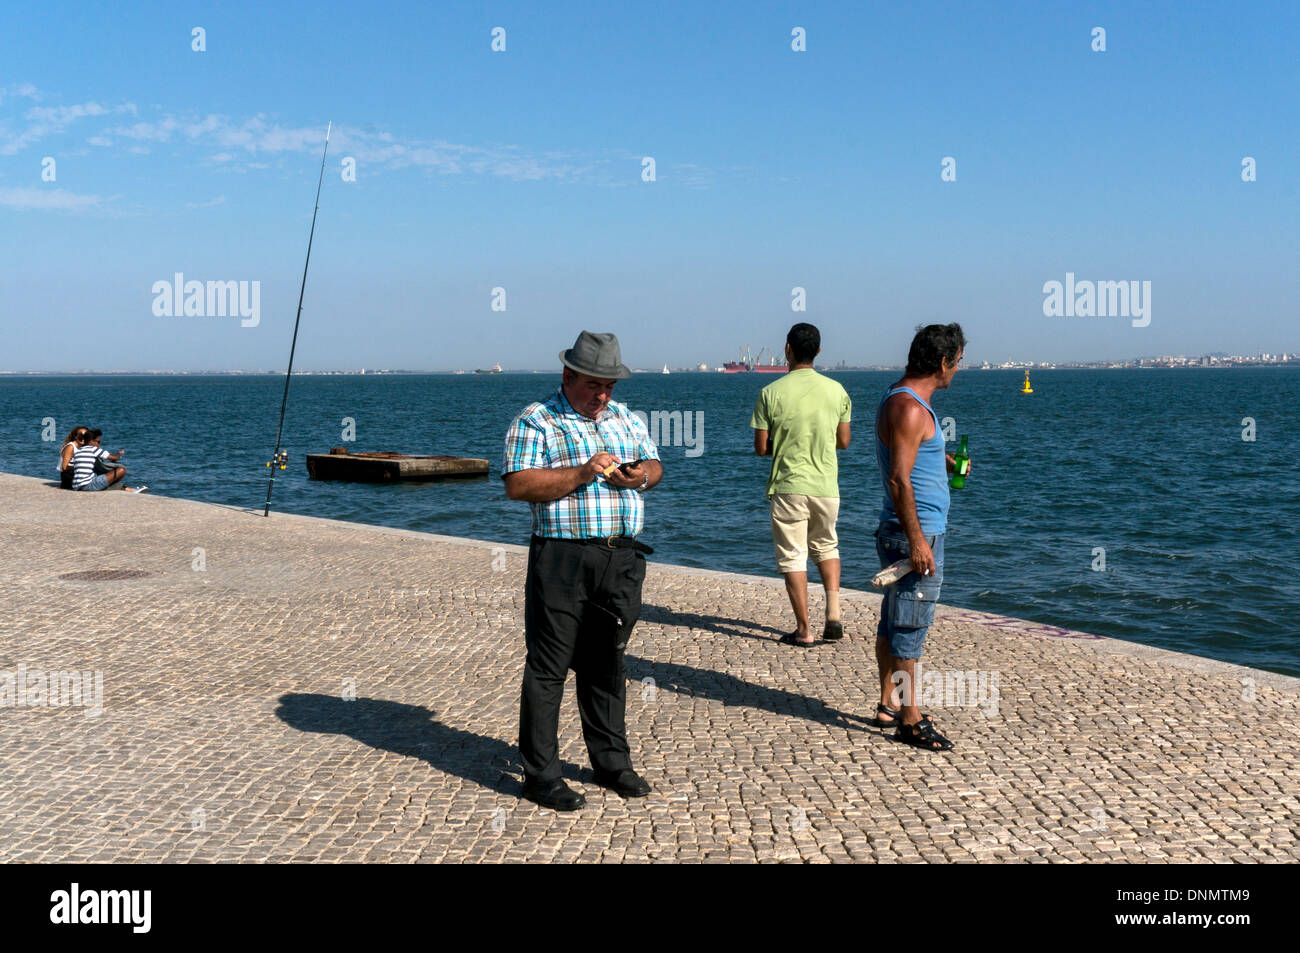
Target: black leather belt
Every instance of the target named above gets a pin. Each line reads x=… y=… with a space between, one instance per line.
x=611 y=542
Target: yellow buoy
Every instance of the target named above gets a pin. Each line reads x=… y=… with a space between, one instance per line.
x=1026 y=389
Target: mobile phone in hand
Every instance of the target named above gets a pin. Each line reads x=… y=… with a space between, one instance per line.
x=625 y=467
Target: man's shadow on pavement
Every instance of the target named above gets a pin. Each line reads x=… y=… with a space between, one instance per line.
x=719 y=686
x=413 y=732
x=709 y=623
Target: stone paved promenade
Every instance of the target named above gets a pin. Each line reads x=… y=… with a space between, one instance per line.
x=227 y=733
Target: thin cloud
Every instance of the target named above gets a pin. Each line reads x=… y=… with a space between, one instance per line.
x=19 y=91
x=44 y=121
x=63 y=115
x=239 y=142
x=149 y=131
x=243 y=145
x=691 y=175
x=36 y=198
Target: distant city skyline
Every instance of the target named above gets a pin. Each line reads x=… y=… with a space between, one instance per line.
x=683 y=176
x=1216 y=359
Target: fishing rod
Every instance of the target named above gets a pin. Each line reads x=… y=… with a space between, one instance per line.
x=281 y=458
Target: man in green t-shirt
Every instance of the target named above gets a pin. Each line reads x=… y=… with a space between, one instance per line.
x=800 y=420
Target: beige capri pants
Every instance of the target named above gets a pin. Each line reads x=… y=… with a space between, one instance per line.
x=803 y=525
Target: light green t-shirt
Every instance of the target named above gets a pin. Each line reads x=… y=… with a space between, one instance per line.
x=801 y=412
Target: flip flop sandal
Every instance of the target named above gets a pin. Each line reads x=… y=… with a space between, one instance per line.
x=923 y=735
x=875 y=721
x=833 y=632
x=793 y=639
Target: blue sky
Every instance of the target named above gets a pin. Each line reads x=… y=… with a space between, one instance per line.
x=522 y=169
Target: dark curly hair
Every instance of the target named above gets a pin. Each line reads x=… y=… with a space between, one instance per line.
x=932 y=344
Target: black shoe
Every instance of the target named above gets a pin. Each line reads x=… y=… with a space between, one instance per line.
x=626 y=783
x=833 y=632
x=556 y=795
x=922 y=735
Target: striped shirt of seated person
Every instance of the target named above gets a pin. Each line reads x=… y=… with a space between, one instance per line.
x=83 y=462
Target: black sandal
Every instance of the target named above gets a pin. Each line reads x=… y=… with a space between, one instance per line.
x=793 y=639
x=875 y=721
x=833 y=632
x=923 y=735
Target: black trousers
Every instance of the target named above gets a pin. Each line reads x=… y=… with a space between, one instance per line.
x=579 y=608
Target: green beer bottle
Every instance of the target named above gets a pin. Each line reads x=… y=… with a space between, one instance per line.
x=960 y=466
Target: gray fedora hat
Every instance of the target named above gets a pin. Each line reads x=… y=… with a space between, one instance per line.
x=596 y=355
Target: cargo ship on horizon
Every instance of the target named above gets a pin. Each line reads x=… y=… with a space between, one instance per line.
x=746 y=364
x=771 y=367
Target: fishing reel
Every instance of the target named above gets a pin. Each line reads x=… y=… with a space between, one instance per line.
x=281 y=459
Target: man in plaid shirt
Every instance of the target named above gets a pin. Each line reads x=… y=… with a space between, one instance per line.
x=582 y=461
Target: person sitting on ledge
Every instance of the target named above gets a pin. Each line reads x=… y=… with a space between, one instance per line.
x=91 y=457
x=76 y=438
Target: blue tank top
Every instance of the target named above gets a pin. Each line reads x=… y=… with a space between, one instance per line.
x=929 y=474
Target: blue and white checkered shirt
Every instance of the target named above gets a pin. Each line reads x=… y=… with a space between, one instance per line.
x=550 y=434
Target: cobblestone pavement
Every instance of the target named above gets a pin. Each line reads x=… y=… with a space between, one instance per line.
x=296 y=689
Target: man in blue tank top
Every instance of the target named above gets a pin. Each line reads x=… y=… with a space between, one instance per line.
x=914 y=468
